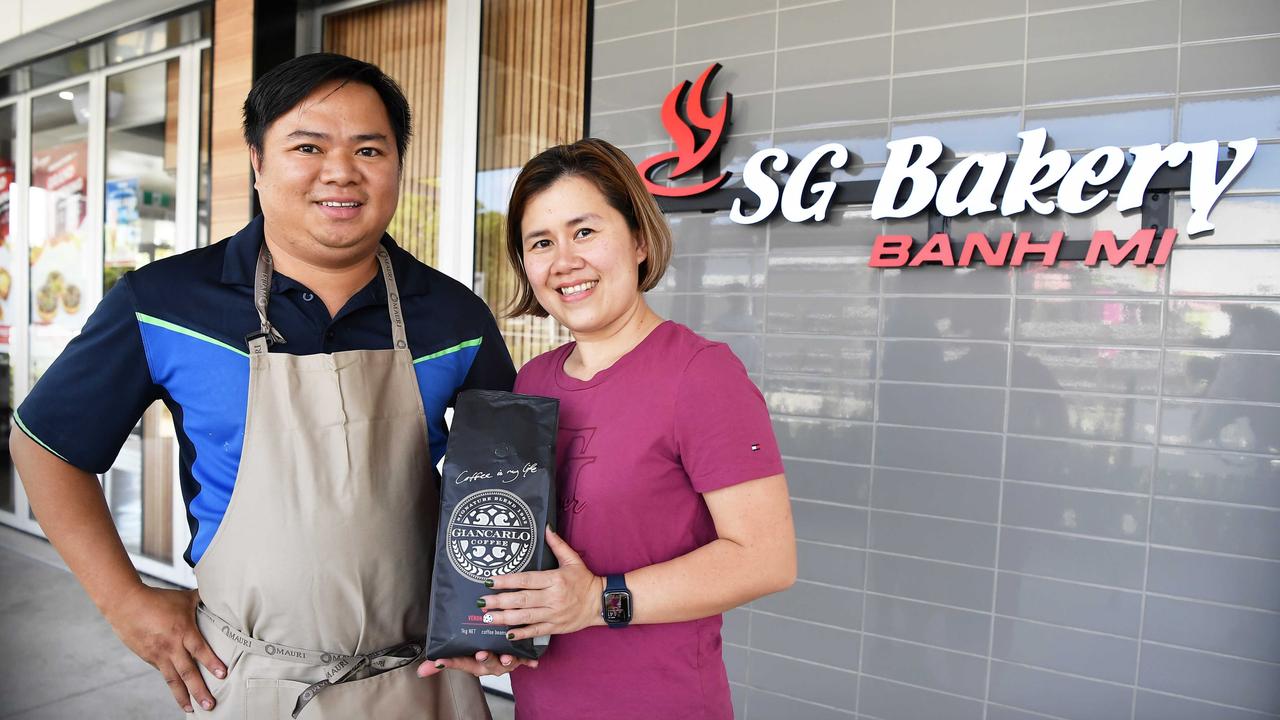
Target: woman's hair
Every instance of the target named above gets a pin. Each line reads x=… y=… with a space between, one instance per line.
x=614 y=175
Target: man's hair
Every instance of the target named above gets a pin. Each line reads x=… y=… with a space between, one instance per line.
x=284 y=86
x=616 y=177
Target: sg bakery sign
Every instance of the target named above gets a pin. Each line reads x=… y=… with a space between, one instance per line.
x=977 y=184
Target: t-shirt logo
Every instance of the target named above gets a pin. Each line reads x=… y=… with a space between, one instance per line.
x=490 y=533
x=573 y=461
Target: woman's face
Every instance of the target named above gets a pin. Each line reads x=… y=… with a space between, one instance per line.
x=580 y=257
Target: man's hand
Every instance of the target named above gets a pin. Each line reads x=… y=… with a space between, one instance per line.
x=547 y=602
x=159 y=626
x=484 y=663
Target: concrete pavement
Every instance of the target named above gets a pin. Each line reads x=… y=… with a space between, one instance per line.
x=59 y=659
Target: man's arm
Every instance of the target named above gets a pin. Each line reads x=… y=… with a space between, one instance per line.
x=157 y=625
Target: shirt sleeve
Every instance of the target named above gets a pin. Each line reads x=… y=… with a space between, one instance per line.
x=722 y=427
x=85 y=405
x=491 y=369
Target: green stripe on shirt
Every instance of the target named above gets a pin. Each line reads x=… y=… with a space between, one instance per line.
x=449 y=351
x=184 y=331
x=33 y=437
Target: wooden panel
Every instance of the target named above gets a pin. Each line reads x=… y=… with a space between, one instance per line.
x=406 y=40
x=532 y=91
x=171 y=116
x=232 y=78
x=157 y=482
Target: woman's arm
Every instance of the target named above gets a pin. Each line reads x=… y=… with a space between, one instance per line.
x=753 y=555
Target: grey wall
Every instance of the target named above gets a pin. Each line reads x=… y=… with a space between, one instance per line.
x=1050 y=492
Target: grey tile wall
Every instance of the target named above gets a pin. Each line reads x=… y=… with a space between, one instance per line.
x=1043 y=493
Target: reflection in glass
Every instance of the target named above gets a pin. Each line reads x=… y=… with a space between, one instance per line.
x=532 y=69
x=8 y=139
x=171 y=32
x=62 y=274
x=69 y=64
x=139 y=227
x=204 y=176
x=141 y=169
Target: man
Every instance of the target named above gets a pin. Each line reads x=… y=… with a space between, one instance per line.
x=307 y=362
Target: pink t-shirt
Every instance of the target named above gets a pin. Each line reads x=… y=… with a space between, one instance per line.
x=675 y=417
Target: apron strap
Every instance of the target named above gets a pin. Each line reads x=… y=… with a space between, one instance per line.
x=338 y=668
x=262 y=294
x=399 y=340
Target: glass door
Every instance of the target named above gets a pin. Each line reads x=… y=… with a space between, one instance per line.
x=140 y=195
x=8 y=173
x=99 y=175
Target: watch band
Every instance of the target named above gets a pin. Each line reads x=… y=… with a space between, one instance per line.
x=615 y=583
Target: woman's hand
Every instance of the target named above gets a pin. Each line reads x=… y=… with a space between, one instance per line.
x=484 y=663
x=547 y=602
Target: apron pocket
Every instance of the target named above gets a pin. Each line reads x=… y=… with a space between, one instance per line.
x=273 y=699
x=229 y=652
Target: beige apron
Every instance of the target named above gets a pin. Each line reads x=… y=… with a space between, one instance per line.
x=315 y=587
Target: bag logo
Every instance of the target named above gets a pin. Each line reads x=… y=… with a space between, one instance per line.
x=490 y=532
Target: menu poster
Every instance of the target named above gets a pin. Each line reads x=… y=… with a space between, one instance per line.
x=60 y=269
x=123 y=229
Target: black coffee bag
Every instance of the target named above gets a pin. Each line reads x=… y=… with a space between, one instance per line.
x=497 y=495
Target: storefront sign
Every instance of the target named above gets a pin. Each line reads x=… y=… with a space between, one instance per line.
x=693 y=147
x=978 y=184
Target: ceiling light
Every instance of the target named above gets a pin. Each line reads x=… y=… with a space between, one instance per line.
x=67 y=95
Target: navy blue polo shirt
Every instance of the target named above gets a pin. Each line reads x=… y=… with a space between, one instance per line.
x=174 y=330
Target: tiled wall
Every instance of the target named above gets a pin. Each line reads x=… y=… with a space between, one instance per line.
x=1041 y=493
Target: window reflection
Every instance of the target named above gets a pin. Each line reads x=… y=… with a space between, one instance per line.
x=139 y=227
x=61 y=268
x=8 y=139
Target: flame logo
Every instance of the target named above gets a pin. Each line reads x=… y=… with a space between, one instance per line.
x=696 y=135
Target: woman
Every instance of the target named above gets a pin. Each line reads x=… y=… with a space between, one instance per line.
x=670 y=477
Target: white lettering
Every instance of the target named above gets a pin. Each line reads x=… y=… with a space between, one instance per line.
x=1079 y=184
x=1204 y=169
x=979 y=198
x=1033 y=163
x=1147 y=159
x=899 y=168
x=759 y=182
x=793 y=193
x=1085 y=172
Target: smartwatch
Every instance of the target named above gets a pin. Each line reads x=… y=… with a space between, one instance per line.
x=615 y=602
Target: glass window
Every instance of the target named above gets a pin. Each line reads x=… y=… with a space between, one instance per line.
x=204 y=179
x=62 y=273
x=8 y=139
x=137 y=42
x=532 y=75
x=406 y=40
x=76 y=61
x=139 y=224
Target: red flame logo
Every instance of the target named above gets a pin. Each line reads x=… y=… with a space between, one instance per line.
x=696 y=136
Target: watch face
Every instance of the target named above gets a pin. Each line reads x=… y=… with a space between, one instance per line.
x=617 y=607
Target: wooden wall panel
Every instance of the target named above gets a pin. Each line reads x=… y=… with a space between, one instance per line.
x=231 y=202
x=171 y=116
x=532 y=95
x=406 y=40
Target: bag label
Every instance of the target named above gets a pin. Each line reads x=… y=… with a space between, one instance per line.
x=491 y=532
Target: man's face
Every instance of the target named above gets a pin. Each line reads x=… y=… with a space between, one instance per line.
x=329 y=175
